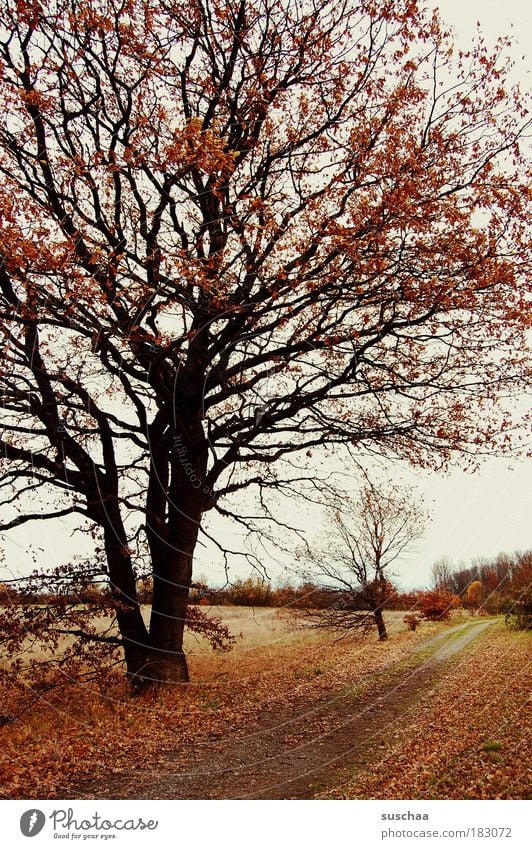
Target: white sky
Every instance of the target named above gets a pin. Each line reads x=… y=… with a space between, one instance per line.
x=490 y=511
x=473 y=514
x=511 y=17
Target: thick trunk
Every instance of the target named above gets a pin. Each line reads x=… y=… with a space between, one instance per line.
x=167 y=662
x=172 y=551
x=381 y=627
x=173 y=513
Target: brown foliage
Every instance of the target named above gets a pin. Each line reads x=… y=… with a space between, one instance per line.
x=442 y=748
x=436 y=605
x=77 y=734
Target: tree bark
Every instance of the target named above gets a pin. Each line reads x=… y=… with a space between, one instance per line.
x=131 y=625
x=167 y=663
x=172 y=539
x=381 y=627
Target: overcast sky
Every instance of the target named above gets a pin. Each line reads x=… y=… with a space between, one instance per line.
x=489 y=511
x=474 y=515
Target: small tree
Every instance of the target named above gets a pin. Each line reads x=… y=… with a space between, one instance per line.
x=365 y=539
x=473 y=595
x=412 y=620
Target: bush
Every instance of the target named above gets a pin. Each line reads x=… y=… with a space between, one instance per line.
x=436 y=605
x=412 y=620
x=519 y=615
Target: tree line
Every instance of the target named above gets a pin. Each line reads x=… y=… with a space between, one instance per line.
x=498 y=585
x=502 y=584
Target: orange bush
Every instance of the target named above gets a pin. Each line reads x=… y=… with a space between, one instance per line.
x=412 y=620
x=436 y=605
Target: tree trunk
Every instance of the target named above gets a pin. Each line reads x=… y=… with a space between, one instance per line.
x=381 y=627
x=172 y=557
x=131 y=625
x=173 y=516
x=167 y=663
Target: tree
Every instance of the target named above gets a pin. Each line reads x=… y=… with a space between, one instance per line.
x=412 y=620
x=473 y=595
x=363 y=543
x=232 y=232
x=461 y=578
x=519 y=592
x=442 y=574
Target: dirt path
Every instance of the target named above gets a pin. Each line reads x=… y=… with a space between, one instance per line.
x=300 y=754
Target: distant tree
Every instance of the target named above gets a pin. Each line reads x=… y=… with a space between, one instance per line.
x=145 y=590
x=495 y=576
x=472 y=597
x=442 y=574
x=251 y=591
x=405 y=601
x=285 y=595
x=199 y=591
x=462 y=577
x=233 y=232
x=8 y=594
x=364 y=541
x=519 y=592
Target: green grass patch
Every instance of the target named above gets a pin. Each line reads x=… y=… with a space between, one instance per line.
x=492 y=746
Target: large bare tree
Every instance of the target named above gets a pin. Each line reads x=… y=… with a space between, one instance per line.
x=233 y=231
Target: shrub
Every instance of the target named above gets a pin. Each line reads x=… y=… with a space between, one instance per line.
x=412 y=620
x=436 y=605
x=519 y=615
x=492 y=746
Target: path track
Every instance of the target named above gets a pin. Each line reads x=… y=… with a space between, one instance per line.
x=280 y=758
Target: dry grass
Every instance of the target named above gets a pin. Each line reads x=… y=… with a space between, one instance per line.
x=271 y=647
x=263 y=629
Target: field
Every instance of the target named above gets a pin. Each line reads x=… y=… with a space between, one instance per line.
x=436 y=713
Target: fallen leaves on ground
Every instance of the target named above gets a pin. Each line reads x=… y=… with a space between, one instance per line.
x=468 y=738
x=75 y=733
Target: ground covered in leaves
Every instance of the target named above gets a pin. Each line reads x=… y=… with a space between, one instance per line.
x=289 y=714
x=468 y=737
